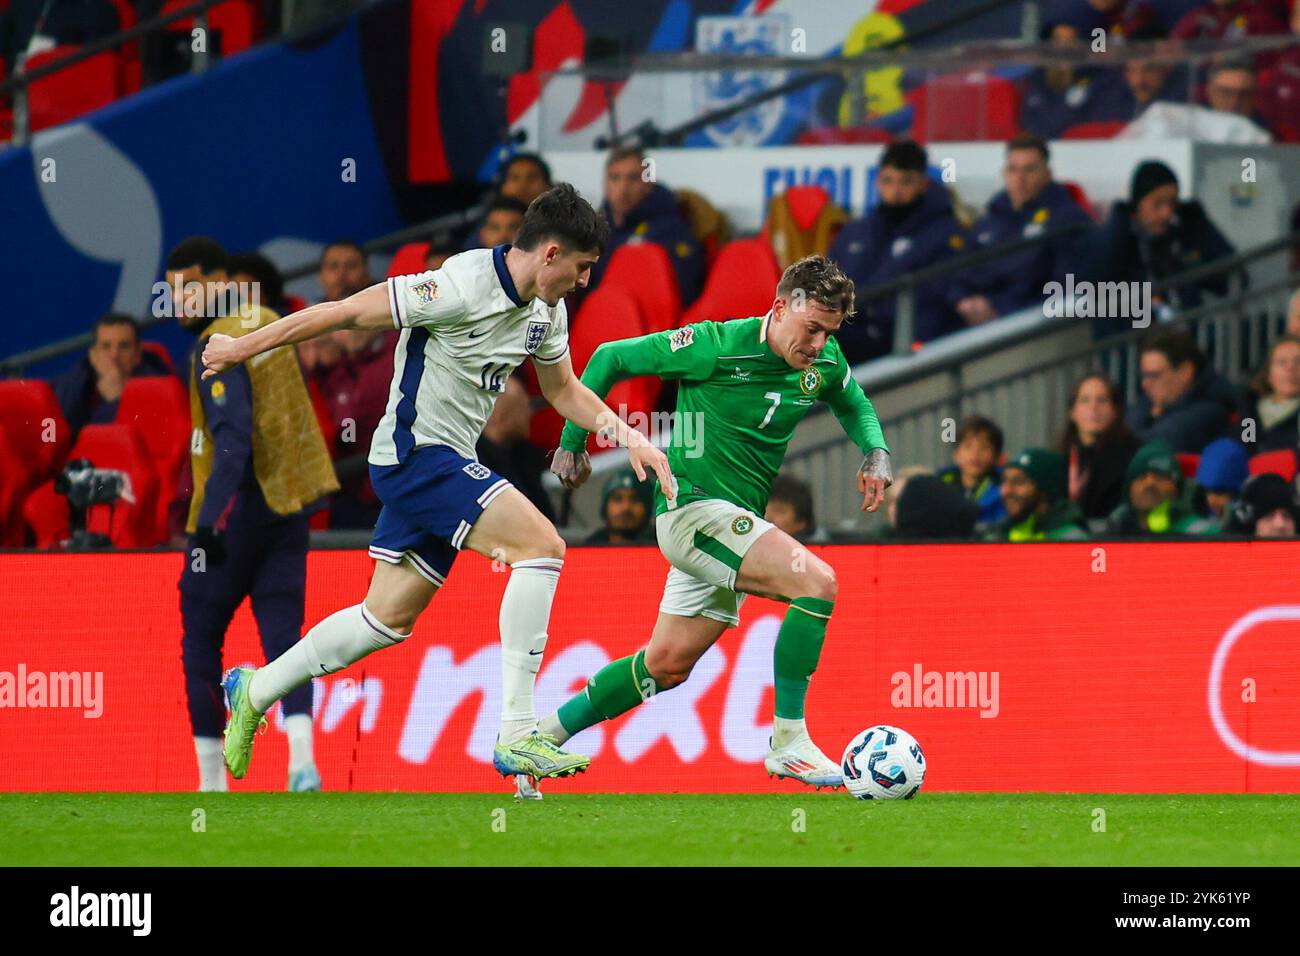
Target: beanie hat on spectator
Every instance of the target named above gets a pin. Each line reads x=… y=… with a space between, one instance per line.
x=1155 y=457
x=1263 y=495
x=627 y=479
x=930 y=507
x=1046 y=469
x=1223 y=466
x=1151 y=174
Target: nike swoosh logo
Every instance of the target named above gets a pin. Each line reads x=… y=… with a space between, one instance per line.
x=535 y=652
x=477 y=332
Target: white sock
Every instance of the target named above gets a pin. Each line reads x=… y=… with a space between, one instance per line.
x=551 y=726
x=785 y=731
x=525 y=612
x=341 y=639
x=212 y=764
x=298 y=729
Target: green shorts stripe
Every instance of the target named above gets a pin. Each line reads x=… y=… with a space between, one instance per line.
x=716 y=549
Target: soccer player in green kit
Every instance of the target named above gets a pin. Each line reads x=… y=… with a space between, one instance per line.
x=748 y=383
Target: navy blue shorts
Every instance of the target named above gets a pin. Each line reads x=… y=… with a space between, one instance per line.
x=430 y=500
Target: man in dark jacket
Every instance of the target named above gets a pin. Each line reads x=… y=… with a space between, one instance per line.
x=1154 y=236
x=89 y=392
x=912 y=227
x=1035 y=492
x=1159 y=501
x=626 y=511
x=640 y=210
x=1030 y=205
x=1183 y=401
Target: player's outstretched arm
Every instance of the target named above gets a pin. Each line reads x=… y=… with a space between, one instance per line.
x=367 y=309
x=857 y=415
x=580 y=405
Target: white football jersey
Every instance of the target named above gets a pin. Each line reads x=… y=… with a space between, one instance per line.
x=464 y=330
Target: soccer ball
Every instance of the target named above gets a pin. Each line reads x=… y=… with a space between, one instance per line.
x=883 y=763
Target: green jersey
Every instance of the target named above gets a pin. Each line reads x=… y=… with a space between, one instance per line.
x=738 y=403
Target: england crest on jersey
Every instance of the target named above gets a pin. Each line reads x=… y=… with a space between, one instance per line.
x=535 y=336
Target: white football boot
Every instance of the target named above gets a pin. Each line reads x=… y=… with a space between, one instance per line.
x=802 y=760
x=526 y=788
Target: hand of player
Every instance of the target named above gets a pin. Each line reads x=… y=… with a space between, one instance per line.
x=220 y=353
x=874 y=477
x=571 y=468
x=647 y=456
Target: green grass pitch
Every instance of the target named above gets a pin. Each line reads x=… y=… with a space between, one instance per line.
x=792 y=828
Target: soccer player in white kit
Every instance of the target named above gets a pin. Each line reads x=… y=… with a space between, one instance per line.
x=464 y=329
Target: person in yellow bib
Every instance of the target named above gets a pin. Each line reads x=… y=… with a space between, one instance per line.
x=1035 y=494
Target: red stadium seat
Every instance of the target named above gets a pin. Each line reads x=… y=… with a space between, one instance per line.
x=965 y=107
x=742 y=283
x=1281 y=462
x=159 y=351
x=36 y=425
x=409 y=260
x=294 y=303
x=1101 y=129
x=128 y=524
x=1080 y=197
x=645 y=272
x=70 y=92
x=16 y=478
x=158 y=407
x=234 y=22
x=1189 y=464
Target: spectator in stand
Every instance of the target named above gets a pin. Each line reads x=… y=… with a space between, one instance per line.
x=913 y=226
x=504 y=446
x=1097 y=445
x=439 y=252
x=1035 y=494
x=1058 y=97
x=1159 y=501
x=974 y=471
x=355 y=390
x=29 y=27
x=1279 y=100
x=627 y=511
x=500 y=223
x=1150 y=81
x=1030 y=205
x=1227 y=19
x=790 y=508
x=1267 y=509
x=1221 y=473
x=640 y=210
x=1121 y=19
x=1184 y=401
x=1273 y=399
x=932 y=509
x=343 y=271
x=1231 y=88
x=89 y=392
x=524 y=177
x=1293 y=314
x=889 y=530
x=255 y=267
x=1154 y=236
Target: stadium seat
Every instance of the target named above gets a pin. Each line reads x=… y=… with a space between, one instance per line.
x=294 y=303
x=965 y=107
x=128 y=524
x=742 y=283
x=1081 y=198
x=70 y=92
x=159 y=351
x=158 y=407
x=409 y=260
x=645 y=272
x=31 y=412
x=15 y=481
x=234 y=23
x=1189 y=464
x=1281 y=462
x=1100 y=129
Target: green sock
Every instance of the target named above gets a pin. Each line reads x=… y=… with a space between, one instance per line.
x=798 y=647
x=617 y=688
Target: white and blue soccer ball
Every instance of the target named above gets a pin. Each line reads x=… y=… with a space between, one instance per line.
x=883 y=763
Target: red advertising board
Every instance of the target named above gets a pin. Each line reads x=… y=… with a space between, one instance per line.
x=1050 y=667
